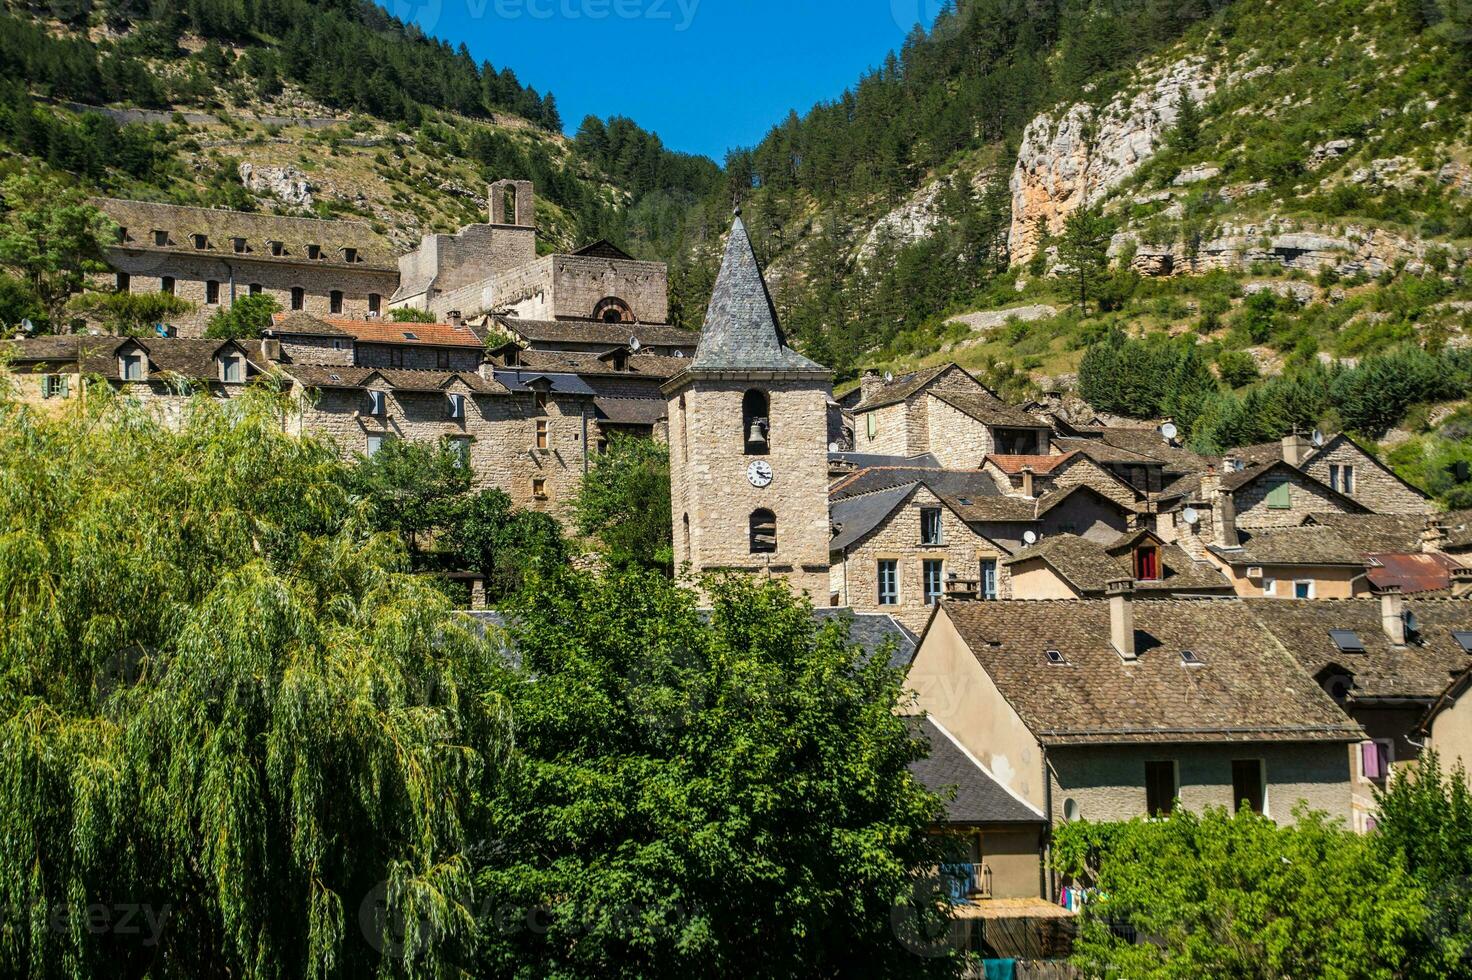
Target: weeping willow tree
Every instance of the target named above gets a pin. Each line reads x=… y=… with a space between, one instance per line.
x=236 y=737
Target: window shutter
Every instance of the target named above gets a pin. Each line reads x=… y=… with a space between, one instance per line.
x=1372 y=760
x=1280 y=496
x=869 y=424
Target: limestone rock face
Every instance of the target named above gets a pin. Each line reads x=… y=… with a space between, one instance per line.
x=991 y=319
x=913 y=221
x=287 y=184
x=1071 y=158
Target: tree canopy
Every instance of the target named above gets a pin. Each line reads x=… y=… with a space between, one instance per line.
x=624 y=502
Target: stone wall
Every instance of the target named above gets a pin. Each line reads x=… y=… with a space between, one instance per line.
x=1108 y=782
x=710 y=492
x=318 y=350
x=898 y=539
x=1082 y=471
x=191 y=273
x=470 y=256
x=1307 y=498
x=526 y=291
x=957 y=440
x=579 y=282
x=1373 y=487
x=1097 y=519
x=891 y=432
x=419 y=358
x=1328 y=582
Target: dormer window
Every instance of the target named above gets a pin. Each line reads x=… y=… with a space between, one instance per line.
x=160 y=237
x=620 y=360
x=455 y=406
x=239 y=245
x=278 y=248
x=377 y=403
x=232 y=368
x=131 y=366
x=201 y=241
x=314 y=251
x=122 y=235
x=1147 y=563
x=350 y=254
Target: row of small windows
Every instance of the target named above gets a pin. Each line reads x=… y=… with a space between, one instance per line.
x=241 y=246
x=167 y=284
x=1162 y=786
x=932 y=580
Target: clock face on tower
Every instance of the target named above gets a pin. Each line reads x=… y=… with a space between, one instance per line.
x=759 y=473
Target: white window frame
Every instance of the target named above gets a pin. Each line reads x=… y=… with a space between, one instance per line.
x=1312 y=588
x=377 y=402
x=1269 y=585
x=55 y=386
x=940 y=534
x=455 y=405
x=373 y=443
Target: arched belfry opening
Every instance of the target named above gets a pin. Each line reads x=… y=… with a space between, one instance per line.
x=756 y=422
x=611 y=309
x=763 y=532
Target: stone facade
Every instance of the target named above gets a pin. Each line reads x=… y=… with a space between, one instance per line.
x=1382 y=492
x=1306 y=497
x=712 y=500
x=855 y=570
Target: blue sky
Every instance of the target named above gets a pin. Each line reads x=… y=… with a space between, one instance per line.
x=704 y=74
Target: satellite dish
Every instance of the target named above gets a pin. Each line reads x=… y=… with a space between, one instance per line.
x=1317 y=438
x=1170 y=431
x=1029 y=537
x=634 y=343
x=833 y=447
x=27 y=325
x=679 y=353
x=888 y=377
x=1190 y=516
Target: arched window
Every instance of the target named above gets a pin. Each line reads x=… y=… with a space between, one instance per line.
x=611 y=309
x=763 y=532
x=755 y=425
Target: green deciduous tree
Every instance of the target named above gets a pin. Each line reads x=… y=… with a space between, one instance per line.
x=1217 y=895
x=711 y=794
x=487 y=535
x=410 y=314
x=624 y=502
x=226 y=711
x=411 y=487
x=247 y=316
x=52 y=236
x=131 y=314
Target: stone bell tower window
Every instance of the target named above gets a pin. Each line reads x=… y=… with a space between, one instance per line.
x=754 y=422
x=763 y=532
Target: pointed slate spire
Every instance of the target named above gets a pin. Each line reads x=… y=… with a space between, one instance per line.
x=741 y=332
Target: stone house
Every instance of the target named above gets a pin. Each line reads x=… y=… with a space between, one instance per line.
x=1387 y=661
x=946 y=412
x=1109 y=709
x=1067 y=566
x=47 y=371
x=1408 y=551
x=1347 y=467
x=747 y=433
x=591 y=336
x=1038 y=476
x=211 y=257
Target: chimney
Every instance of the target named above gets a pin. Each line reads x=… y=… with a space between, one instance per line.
x=1223 y=506
x=1392 y=614
x=1296 y=448
x=455 y=320
x=1027 y=483
x=271 y=350
x=1461 y=583
x=1121 y=617
x=869 y=384
x=1433 y=535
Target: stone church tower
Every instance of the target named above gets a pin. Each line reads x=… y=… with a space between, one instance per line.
x=748 y=440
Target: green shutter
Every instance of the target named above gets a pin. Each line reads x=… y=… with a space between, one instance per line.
x=870 y=424
x=1279 y=497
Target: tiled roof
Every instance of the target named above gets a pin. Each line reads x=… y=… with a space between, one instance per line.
x=1303 y=545
x=874 y=632
x=902 y=387
x=397 y=379
x=1421 y=669
x=98 y=355
x=864 y=460
x=142 y=218
x=1375 y=533
x=1038 y=464
x=1458 y=524
x=1412 y=573
x=1089 y=566
x=949 y=769
x=297 y=323
x=854 y=517
x=1101 y=452
x=380 y=331
x=988 y=409
x=1240 y=478
x=1247 y=687
x=595 y=333
x=741 y=332
x=602 y=249
x=654 y=366
x=630 y=411
x=968 y=484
